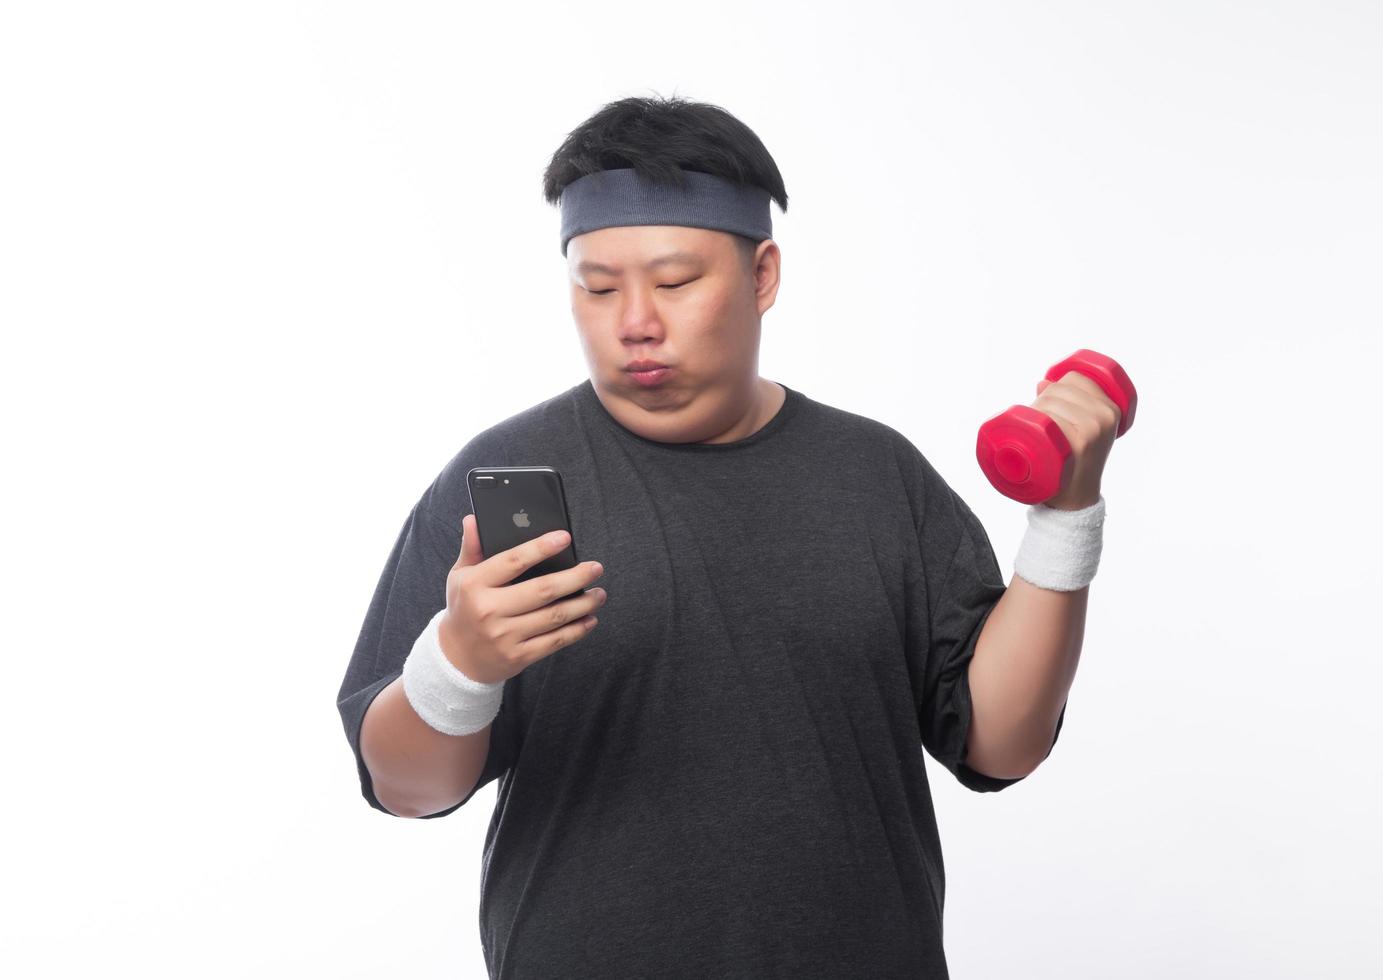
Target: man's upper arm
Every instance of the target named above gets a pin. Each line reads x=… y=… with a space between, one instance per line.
x=956 y=586
x=410 y=590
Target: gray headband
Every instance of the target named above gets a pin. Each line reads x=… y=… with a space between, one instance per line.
x=621 y=197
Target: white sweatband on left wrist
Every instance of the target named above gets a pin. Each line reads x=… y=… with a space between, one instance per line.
x=442 y=695
x=1061 y=549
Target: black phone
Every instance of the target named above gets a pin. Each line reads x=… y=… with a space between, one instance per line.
x=514 y=504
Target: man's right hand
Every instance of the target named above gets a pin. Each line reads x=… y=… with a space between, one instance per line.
x=492 y=630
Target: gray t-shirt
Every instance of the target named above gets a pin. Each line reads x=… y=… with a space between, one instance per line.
x=725 y=777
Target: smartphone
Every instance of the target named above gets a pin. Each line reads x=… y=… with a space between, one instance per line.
x=514 y=504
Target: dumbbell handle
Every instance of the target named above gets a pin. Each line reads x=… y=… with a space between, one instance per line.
x=1025 y=454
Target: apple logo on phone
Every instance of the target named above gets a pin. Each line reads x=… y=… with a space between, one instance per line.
x=521 y=519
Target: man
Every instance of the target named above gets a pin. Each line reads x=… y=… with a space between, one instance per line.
x=711 y=766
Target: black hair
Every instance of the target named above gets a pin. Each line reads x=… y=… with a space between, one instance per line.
x=660 y=138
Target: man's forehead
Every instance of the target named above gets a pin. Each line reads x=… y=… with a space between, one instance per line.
x=678 y=257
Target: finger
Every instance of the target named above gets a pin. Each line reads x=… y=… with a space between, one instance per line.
x=1067 y=416
x=471 y=553
x=504 y=567
x=1072 y=403
x=543 y=644
x=538 y=620
x=1084 y=383
x=548 y=591
x=1081 y=404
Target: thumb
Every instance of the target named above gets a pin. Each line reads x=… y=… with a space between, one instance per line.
x=470 y=543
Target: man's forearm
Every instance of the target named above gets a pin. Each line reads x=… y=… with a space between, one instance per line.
x=1024 y=664
x=1026 y=655
x=417 y=770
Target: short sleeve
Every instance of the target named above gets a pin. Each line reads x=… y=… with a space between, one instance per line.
x=961 y=583
x=411 y=588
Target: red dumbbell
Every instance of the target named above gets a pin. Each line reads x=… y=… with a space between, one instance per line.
x=1025 y=454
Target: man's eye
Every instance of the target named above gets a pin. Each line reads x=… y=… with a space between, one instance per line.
x=602 y=292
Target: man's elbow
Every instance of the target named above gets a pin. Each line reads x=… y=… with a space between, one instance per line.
x=413 y=807
x=393 y=807
x=1013 y=763
x=1011 y=771
x=401 y=806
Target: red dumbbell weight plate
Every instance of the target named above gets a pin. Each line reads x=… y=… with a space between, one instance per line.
x=1024 y=454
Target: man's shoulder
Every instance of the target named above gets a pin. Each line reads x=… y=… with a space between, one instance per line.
x=533 y=419
x=838 y=424
x=898 y=461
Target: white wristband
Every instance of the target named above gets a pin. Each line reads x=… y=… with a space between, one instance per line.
x=1061 y=549
x=445 y=698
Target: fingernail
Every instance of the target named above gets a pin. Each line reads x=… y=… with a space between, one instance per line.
x=557 y=538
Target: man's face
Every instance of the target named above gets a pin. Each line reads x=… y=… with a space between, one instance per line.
x=699 y=312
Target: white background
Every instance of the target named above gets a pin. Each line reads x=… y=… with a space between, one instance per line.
x=266 y=266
